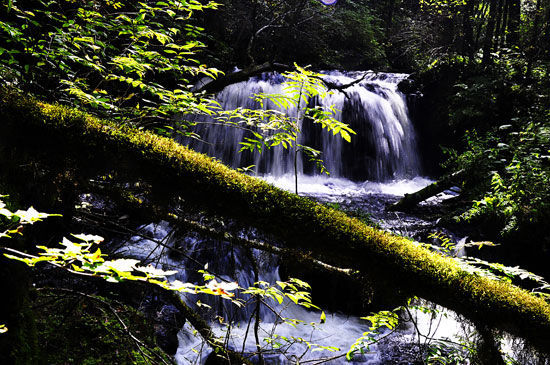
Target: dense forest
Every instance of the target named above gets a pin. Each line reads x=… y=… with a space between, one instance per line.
x=274 y=182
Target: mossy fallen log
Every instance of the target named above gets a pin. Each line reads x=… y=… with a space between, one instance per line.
x=410 y=200
x=59 y=133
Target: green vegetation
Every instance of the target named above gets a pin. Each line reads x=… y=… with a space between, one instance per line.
x=499 y=136
x=130 y=61
x=488 y=93
x=302 y=86
x=246 y=32
x=89 y=87
x=334 y=237
x=513 y=179
x=93 y=330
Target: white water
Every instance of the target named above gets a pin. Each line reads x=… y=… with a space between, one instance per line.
x=321 y=184
x=382 y=160
x=339 y=331
x=382 y=157
x=384 y=148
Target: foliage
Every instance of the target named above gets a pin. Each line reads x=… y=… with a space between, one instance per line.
x=281 y=342
x=300 y=88
x=431 y=349
x=132 y=61
x=19 y=218
x=445 y=354
x=509 y=274
x=348 y=35
x=502 y=117
x=80 y=328
x=352 y=38
x=294 y=289
x=476 y=30
x=510 y=169
x=282 y=294
x=495 y=271
x=379 y=321
x=255 y=202
x=83 y=258
x=129 y=60
x=445 y=244
x=283 y=128
x=483 y=98
x=13 y=223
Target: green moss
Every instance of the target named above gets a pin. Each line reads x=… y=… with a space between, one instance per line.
x=328 y=234
x=79 y=330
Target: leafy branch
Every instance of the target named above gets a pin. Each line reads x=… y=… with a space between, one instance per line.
x=271 y=128
x=107 y=56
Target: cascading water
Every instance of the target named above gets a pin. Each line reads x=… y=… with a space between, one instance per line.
x=381 y=162
x=384 y=148
x=233 y=263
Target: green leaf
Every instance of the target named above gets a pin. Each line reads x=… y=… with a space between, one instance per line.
x=345 y=135
x=30 y=215
x=122 y=265
x=88 y=237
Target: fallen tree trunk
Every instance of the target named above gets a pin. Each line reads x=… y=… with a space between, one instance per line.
x=410 y=200
x=68 y=136
x=216 y=85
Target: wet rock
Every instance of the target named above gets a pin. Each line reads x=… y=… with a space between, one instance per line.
x=169 y=323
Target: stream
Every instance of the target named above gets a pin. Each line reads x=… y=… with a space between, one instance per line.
x=378 y=167
x=340 y=331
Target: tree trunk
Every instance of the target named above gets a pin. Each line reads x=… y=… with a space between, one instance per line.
x=514 y=18
x=533 y=50
x=499 y=27
x=489 y=33
x=215 y=85
x=468 y=31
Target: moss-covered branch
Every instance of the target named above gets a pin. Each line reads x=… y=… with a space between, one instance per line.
x=59 y=134
x=410 y=200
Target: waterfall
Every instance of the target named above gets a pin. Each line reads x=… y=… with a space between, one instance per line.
x=384 y=148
